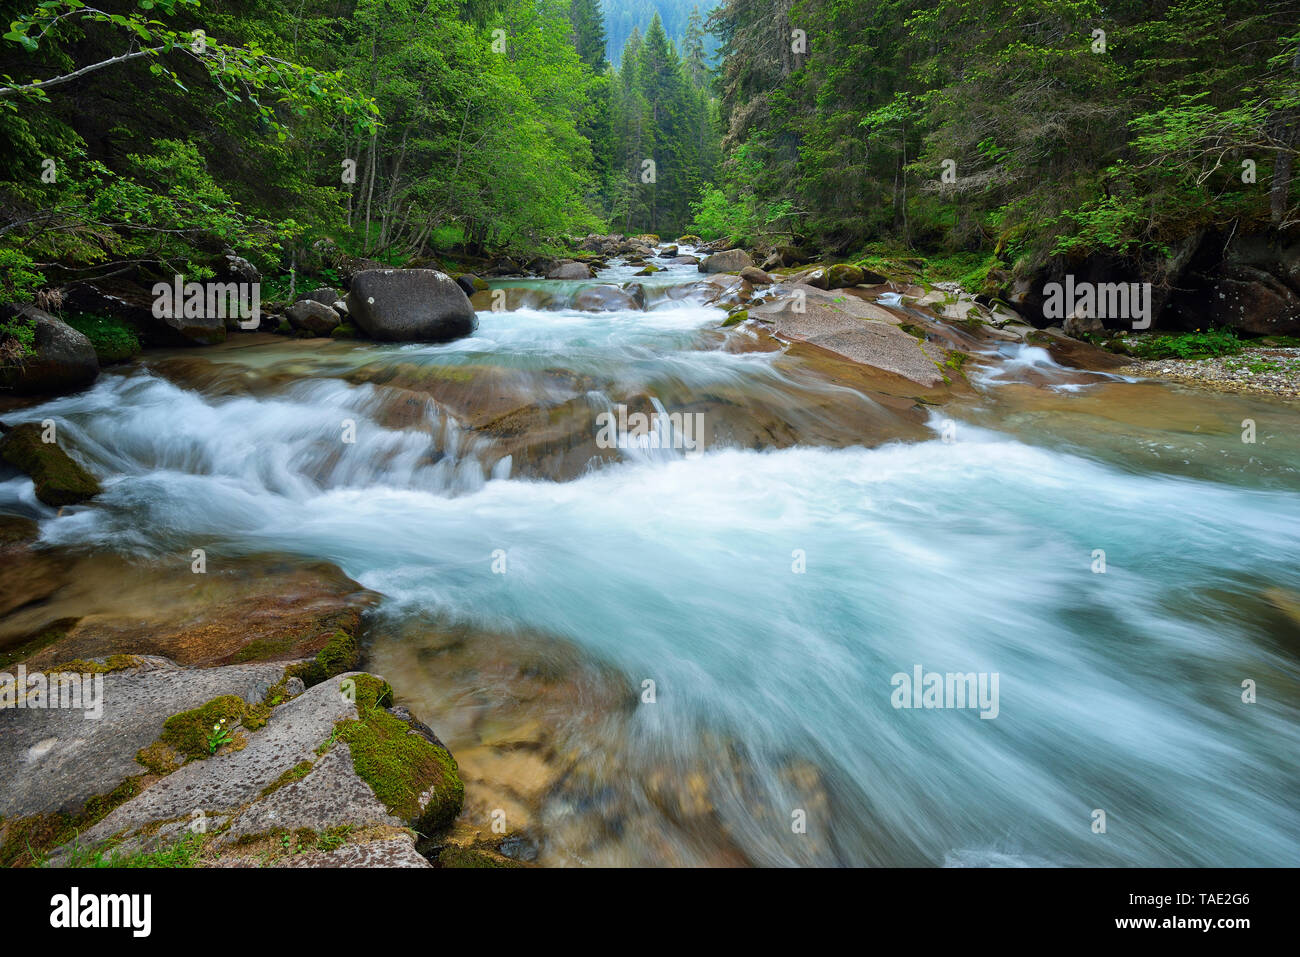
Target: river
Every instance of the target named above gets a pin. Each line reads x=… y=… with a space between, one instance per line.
x=673 y=656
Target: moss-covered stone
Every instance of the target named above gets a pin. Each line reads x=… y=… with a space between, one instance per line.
x=344 y=330
x=735 y=318
x=340 y=654
x=188 y=732
x=85 y=666
x=160 y=758
x=418 y=781
x=59 y=480
x=454 y=855
x=25 y=841
x=842 y=275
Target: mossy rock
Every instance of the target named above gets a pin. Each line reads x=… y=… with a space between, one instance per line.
x=456 y=856
x=59 y=480
x=841 y=276
x=341 y=653
x=416 y=779
x=689 y=240
x=187 y=732
x=26 y=840
x=96 y=666
x=284 y=328
x=735 y=318
x=648 y=271
x=344 y=330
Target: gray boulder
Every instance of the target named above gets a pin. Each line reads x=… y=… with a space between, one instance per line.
x=570 y=270
x=729 y=260
x=312 y=316
x=410 y=305
x=326 y=294
x=64 y=360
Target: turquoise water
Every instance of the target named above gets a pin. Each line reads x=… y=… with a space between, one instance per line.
x=771 y=594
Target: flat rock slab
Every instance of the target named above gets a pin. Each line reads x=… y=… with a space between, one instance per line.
x=329 y=796
x=220 y=786
x=853 y=328
x=54 y=759
x=243 y=611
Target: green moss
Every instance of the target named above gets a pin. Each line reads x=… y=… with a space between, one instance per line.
x=469 y=857
x=735 y=318
x=400 y=764
x=956 y=360
x=842 y=275
x=86 y=666
x=114 y=339
x=284 y=328
x=339 y=655
x=295 y=773
x=28 y=840
x=59 y=480
x=188 y=731
x=159 y=757
x=344 y=330
x=916 y=332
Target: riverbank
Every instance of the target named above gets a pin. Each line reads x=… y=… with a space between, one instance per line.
x=1255 y=370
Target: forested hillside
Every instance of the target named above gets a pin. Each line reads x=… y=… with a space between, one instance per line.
x=1021 y=129
x=678 y=17
x=163 y=132
x=1009 y=132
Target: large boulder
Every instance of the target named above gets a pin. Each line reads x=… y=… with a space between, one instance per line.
x=729 y=260
x=858 y=330
x=570 y=270
x=842 y=276
x=235 y=268
x=410 y=305
x=312 y=316
x=63 y=359
x=325 y=294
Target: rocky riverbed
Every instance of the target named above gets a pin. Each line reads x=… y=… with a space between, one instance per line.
x=257 y=530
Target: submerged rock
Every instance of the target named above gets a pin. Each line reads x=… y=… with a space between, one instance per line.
x=604 y=299
x=59 y=479
x=410 y=305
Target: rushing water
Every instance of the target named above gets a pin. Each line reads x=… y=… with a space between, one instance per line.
x=771 y=593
